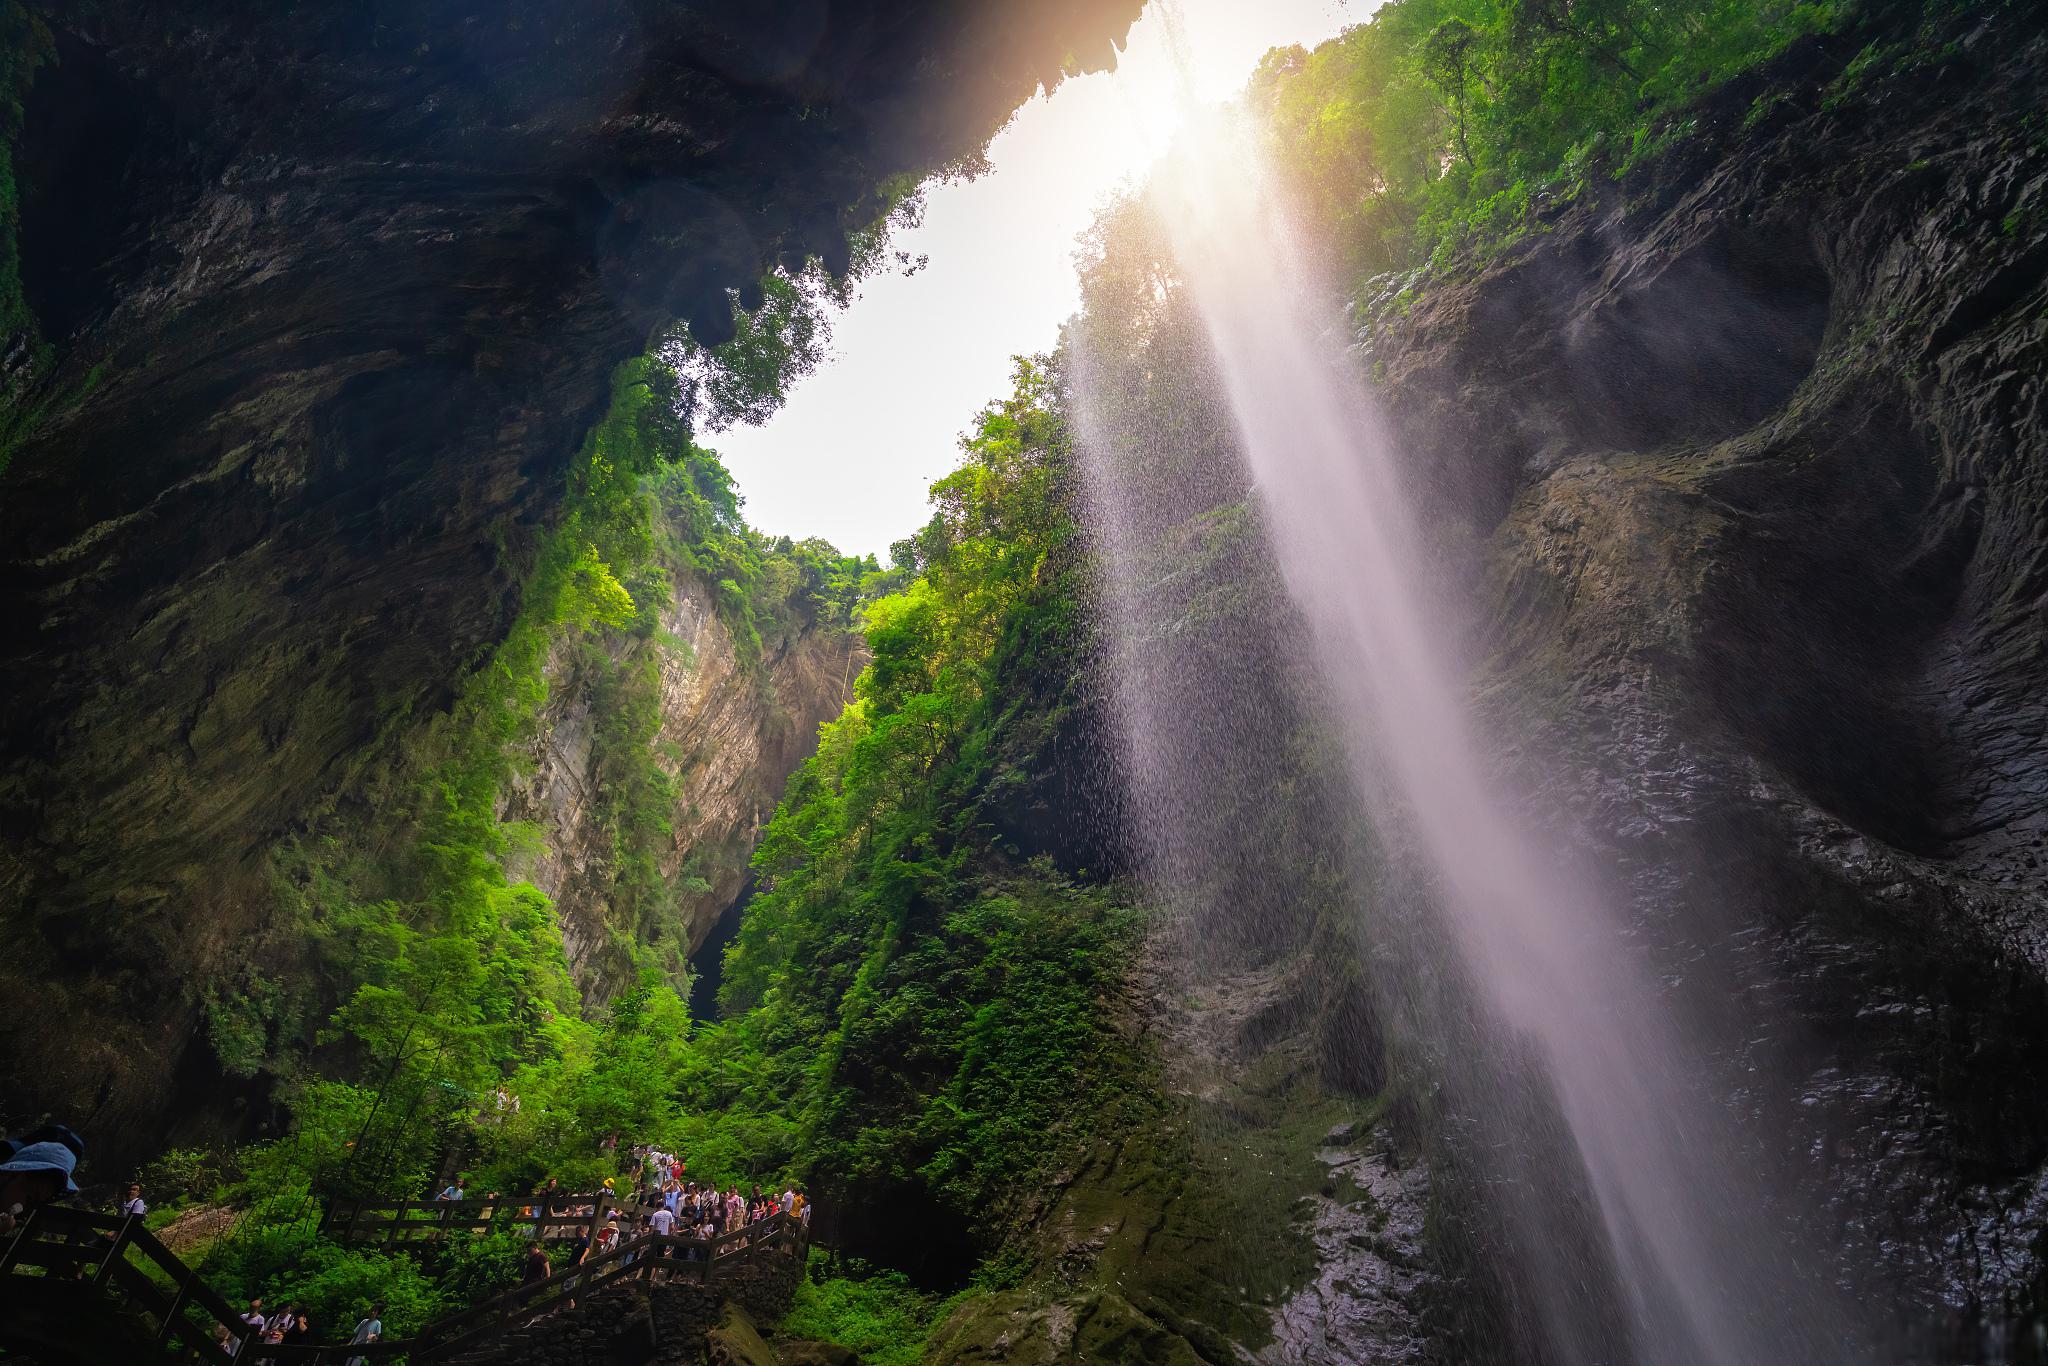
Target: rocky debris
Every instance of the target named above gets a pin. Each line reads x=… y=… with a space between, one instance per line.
x=736 y=1342
x=195 y=1229
x=807 y=1352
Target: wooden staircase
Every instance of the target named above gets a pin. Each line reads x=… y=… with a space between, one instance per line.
x=95 y=1288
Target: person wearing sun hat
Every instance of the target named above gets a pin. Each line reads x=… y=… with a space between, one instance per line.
x=34 y=1175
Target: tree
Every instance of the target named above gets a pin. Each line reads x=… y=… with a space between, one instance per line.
x=1446 y=60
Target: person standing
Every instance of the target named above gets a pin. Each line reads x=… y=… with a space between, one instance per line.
x=132 y=1207
x=537 y=1268
x=272 y=1336
x=368 y=1330
x=579 y=1251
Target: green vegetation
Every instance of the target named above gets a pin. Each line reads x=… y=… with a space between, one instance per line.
x=25 y=46
x=1439 y=126
x=919 y=1024
x=878 y=1314
x=441 y=978
x=917 y=1017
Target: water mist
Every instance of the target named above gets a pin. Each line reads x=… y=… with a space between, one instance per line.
x=1693 y=1265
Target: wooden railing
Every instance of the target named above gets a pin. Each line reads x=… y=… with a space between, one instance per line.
x=560 y=1218
x=179 y=1311
x=185 y=1317
x=675 y=1258
x=550 y=1219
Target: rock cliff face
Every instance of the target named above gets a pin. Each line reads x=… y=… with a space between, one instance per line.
x=1258 y=1215
x=332 y=292
x=1751 y=458
x=731 y=734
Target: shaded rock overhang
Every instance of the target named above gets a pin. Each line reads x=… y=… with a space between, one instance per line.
x=330 y=293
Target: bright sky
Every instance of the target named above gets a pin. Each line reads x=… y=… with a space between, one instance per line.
x=913 y=359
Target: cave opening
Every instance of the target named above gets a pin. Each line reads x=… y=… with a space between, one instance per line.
x=707 y=964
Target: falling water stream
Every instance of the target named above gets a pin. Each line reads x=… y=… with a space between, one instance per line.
x=1696 y=1266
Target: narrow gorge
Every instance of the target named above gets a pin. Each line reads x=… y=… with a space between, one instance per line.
x=1454 y=770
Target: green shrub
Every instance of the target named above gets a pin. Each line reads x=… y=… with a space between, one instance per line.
x=336 y=1286
x=181 y=1176
x=1433 y=126
x=875 y=1313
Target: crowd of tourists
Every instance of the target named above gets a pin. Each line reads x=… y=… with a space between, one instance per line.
x=662 y=1200
x=291 y=1326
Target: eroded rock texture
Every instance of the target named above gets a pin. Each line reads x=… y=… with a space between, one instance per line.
x=349 y=280
x=1754 y=461
x=731 y=733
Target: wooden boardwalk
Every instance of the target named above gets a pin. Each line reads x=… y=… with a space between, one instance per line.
x=153 y=1298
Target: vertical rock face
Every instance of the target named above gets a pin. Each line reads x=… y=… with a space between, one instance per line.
x=731 y=733
x=1753 y=459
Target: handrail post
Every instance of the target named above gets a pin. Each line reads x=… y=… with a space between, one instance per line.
x=178 y=1303
x=16 y=1243
x=105 y=1271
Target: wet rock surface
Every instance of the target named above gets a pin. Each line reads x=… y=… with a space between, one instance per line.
x=1367 y=1227
x=1770 y=640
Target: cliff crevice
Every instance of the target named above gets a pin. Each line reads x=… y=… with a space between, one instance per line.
x=730 y=733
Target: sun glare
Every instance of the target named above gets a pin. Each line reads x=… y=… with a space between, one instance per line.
x=850 y=456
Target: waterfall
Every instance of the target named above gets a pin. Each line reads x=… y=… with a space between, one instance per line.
x=1691 y=1258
